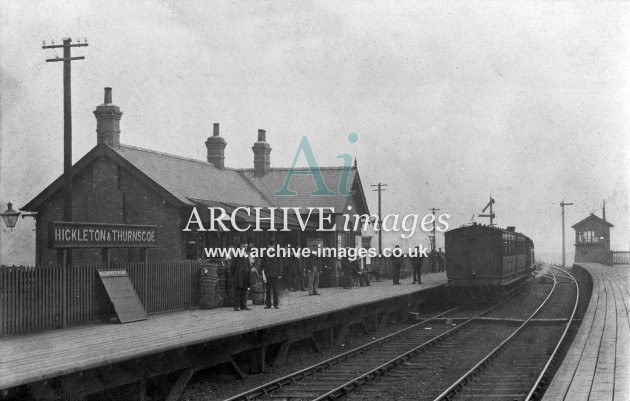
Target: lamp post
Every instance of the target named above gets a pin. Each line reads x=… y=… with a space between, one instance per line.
x=10 y=216
x=562 y=205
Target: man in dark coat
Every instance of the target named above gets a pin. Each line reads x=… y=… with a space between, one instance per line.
x=299 y=274
x=272 y=270
x=314 y=265
x=396 y=270
x=239 y=269
x=417 y=267
x=346 y=273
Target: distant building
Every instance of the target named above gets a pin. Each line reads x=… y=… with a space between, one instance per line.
x=116 y=183
x=592 y=237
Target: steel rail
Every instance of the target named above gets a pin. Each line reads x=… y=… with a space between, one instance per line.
x=536 y=385
x=395 y=361
x=467 y=377
x=291 y=377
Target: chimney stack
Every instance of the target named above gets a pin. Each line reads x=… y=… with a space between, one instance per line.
x=604 y=210
x=216 y=148
x=108 y=121
x=262 y=152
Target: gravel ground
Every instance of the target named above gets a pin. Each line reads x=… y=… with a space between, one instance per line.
x=219 y=383
x=425 y=376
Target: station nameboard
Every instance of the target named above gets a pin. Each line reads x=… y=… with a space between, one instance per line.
x=101 y=235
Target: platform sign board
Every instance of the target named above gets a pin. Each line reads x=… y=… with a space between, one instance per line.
x=122 y=295
x=101 y=235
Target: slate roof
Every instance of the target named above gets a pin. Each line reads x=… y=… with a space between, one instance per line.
x=195 y=182
x=189 y=178
x=304 y=184
x=591 y=217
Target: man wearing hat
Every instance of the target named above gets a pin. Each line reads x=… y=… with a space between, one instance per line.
x=417 y=267
x=239 y=269
x=396 y=269
x=271 y=270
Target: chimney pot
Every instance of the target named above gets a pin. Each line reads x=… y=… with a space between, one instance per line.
x=216 y=148
x=108 y=121
x=262 y=152
x=108 y=96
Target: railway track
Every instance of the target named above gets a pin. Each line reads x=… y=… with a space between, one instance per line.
x=383 y=358
x=518 y=368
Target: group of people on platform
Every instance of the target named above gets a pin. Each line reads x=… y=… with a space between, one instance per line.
x=351 y=272
x=245 y=273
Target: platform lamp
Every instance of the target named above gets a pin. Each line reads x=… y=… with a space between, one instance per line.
x=10 y=216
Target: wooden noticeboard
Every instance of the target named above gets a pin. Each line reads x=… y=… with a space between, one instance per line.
x=123 y=296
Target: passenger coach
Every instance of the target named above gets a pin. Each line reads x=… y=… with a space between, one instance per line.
x=484 y=256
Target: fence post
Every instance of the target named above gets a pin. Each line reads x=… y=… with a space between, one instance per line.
x=145 y=252
x=64 y=289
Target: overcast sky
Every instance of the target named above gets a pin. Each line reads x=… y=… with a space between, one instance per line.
x=452 y=101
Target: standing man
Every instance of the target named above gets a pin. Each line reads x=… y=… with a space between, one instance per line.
x=299 y=278
x=346 y=273
x=272 y=271
x=397 y=266
x=239 y=269
x=364 y=275
x=314 y=266
x=417 y=267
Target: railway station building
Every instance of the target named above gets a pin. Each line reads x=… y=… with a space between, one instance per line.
x=121 y=184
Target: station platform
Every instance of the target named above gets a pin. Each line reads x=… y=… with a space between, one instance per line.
x=597 y=364
x=37 y=357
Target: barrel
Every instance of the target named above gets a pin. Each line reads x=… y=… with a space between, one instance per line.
x=210 y=293
x=207 y=282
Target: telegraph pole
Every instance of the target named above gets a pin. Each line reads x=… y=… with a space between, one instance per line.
x=562 y=205
x=432 y=239
x=433 y=210
x=379 y=188
x=67 y=121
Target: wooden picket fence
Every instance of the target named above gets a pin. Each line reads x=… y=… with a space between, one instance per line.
x=35 y=298
x=620 y=257
x=612 y=258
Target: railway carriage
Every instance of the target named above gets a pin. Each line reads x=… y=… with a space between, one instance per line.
x=487 y=257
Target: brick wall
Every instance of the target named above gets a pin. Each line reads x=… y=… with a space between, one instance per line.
x=104 y=192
